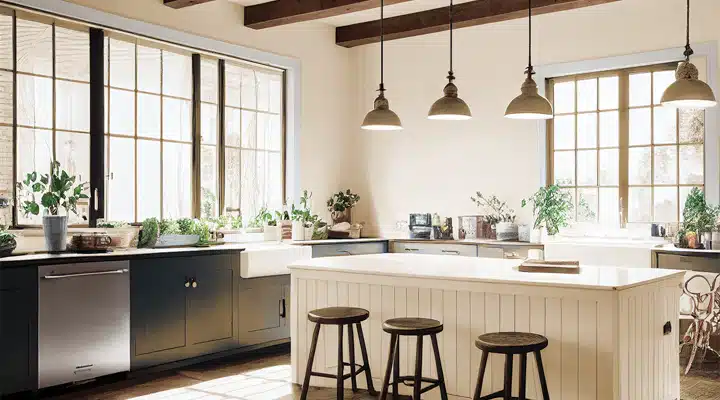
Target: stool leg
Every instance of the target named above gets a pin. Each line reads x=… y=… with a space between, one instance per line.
x=481 y=375
x=418 y=369
x=341 y=367
x=507 y=387
x=541 y=372
x=351 y=348
x=396 y=370
x=438 y=363
x=363 y=351
x=388 y=368
x=523 y=376
x=311 y=357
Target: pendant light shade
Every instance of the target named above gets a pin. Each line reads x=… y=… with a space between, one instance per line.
x=688 y=91
x=529 y=104
x=450 y=106
x=382 y=118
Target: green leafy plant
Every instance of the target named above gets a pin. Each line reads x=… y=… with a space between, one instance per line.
x=263 y=215
x=208 y=203
x=551 y=208
x=303 y=213
x=494 y=209
x=149 y=233
x=341 y=201
x=112 y=224
x=168 y=227
x=698 y=215
x=7 y=239
x=186 y=226
x=202 y=229
x=56 y=190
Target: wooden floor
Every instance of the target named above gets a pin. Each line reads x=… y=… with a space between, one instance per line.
x=266 y=376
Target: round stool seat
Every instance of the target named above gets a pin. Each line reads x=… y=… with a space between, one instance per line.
x=338 y=315
x=412 y=326
x=511 y=342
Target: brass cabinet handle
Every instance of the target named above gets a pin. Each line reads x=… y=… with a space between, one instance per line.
x=410 y=249
x=451 y=252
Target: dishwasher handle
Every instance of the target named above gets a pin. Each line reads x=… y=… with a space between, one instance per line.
x=80 y=274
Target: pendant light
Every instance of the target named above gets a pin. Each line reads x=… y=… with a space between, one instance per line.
x=529 y=104
x=450 y=106
x=382 y=118
x=688 y=91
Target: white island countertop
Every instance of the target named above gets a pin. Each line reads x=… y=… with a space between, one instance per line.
x=469 y=269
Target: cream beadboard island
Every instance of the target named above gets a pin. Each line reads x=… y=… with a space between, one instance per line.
x=612 y=331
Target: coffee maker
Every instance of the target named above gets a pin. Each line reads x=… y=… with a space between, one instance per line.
x=420 y=226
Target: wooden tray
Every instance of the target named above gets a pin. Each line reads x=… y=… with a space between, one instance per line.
x=551 y=267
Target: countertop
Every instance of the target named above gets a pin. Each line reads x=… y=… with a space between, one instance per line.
x=491 y=242
x=670 y=248
x=336 y=241
x=69 y=257
x=469 y=269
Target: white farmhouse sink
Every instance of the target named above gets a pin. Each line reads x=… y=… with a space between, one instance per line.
x=268 y=259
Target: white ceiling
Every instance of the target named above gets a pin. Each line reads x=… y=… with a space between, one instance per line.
x=373 y=14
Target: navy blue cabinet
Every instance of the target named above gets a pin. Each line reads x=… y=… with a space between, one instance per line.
x=181 y=307
x=18 y=329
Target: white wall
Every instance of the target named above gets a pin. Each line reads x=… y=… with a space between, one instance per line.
x=434 y=166
x=327 y=89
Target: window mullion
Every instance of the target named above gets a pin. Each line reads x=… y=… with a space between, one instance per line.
x=97 y=126
x=624 y=141
x=15 y=201
x=221 y=138
x=196 y=136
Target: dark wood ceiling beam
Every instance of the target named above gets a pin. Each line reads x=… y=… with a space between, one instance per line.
x=472 y=13
x=183 y=3
x=283 y=12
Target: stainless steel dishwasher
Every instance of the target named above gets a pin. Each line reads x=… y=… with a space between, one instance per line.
x=83 y=321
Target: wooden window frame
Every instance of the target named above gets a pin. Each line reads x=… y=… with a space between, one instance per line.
x=98 y=136
x=623 y=109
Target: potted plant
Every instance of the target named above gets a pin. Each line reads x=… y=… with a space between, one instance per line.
x=551 y=209
x=176 y=233
x=7 y=242
x=271 y=230
x=284 y=223
x=58 y=191
x=303 y=218
x=256 y=224
x=149 y=233
x=699 y=218
x=340 y=206
x=498 y=215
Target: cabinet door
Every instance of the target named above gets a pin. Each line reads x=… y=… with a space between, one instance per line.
x=260 y=309
x=285 y=312
x=490 y=252
x=210 y=303
x=448 y=249
x=348 y=249
x=157 y=309
x=18 y=330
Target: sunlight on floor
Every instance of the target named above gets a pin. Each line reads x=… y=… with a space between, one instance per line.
x=263 y=384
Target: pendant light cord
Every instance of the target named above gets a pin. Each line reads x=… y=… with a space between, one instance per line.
x=688 y=50
x=529 y=70
x=451 y=38
x=382 y=46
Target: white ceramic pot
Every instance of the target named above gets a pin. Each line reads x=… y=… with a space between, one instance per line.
x=536 y=235
x=309 y=233
x=298 y=230
x=271 y=233
x=469 y=225
x=55 y=230
x=524 y=232
x=506 y=231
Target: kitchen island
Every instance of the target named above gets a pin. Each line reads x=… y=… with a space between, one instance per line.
x=612 y=331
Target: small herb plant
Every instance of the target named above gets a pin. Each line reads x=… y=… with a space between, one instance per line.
x=261 y=218
x=7 y=239
x=341 y=201
x=112 y=224
x=56 y=190
x=551 y=208
x=303 y=213
x=149 y=233
x=187 y=226
x=168 y=227
x=698 y=215
x=494 y=209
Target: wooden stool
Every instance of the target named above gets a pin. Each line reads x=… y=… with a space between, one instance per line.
x=418 y=327
x=340 y=316
x=511 y=343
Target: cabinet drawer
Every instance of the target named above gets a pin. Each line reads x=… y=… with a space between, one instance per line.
x=491 y=252
x=349 y=249
x=702 y=263
x=436 y=248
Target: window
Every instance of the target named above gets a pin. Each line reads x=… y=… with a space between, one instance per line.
x=624 y=157
x=148 y=131
x=52 y=100
x=183 y=136
x=253 y=139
